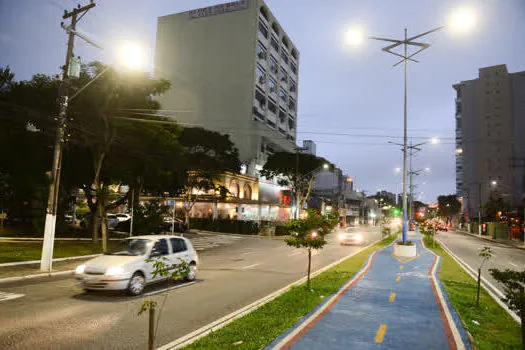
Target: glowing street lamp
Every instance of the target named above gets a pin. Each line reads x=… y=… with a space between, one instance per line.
x=434 y=140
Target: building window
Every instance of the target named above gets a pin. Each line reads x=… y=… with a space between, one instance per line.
x=264 y=12
x=293 y=67
x=272 y=106
x=234 y=189
x=291 y=105
x=275 y=28
x=284 y=56
x=284 y=76
x=291 y=124
x=274 y=43
x=272 y=84
x=263 y=29
x=261 y=51
x=247 y=192
x=293 y=86
x=282 y=115
x=259 y=96
x=282 y=95
x=274 y=67
x=271 y=124
x=261 y=75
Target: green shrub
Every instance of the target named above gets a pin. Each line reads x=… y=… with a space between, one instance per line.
x=282 y=230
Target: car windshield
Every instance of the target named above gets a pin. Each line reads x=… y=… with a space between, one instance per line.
x=132 y=247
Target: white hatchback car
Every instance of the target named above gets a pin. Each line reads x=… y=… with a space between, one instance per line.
x=125 y=267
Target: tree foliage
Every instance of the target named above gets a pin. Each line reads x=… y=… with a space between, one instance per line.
x=514 y=290
x=310 y=232
x=296 y=170
x=449 y=205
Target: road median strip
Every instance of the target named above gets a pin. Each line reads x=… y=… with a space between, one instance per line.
x=489 y=326
x=278 y=311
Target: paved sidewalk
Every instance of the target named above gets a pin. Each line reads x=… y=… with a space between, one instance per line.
x=392 y=303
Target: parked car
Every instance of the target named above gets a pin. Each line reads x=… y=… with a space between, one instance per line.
x=122 y=217
x=350 y=236
x=125 y=266
x=111 y=220
x=180 y=225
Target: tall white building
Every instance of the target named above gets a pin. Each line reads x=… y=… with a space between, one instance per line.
x=233 y=69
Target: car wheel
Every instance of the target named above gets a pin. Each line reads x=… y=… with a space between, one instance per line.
x=192 y=275
x=136 y=284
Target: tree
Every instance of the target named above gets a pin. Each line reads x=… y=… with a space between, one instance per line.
x=449 y=206
x=310 y=233
x=6 y=79
x=207 y=155
x=494 y=206
x=514 y=284
x=102 y=133
x=485 y=254
x=174 y=272
x=296 y=170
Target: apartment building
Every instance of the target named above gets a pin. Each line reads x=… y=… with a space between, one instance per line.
x=233 y=69
x=490 y=147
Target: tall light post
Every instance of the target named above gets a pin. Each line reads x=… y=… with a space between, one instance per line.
x=460 y=20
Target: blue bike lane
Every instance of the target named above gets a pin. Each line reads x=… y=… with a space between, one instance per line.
x=392 y=303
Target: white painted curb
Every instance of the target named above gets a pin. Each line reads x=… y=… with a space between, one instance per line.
x=31 y=262
x=223 y=321
x=494 y=292
x=27 y=277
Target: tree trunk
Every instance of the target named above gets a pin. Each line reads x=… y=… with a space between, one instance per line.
x=187 y=218
x=479 y=286
x=308 y=284
x=94 y=226
x=103 y=225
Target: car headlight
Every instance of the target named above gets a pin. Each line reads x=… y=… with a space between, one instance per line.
x=341 y=236
x=359 y=237
x=114 y=271
x=80 y=269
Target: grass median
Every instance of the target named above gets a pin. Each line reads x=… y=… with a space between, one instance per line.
x=260 y=327
x=31 y=250
x=490 y=326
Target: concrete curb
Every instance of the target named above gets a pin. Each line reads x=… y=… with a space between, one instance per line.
x=27 y=277
x=447 y=311
x=223 y=321
x=236 y=235
x=495 y=293
x=488 y=239
x=32 y=262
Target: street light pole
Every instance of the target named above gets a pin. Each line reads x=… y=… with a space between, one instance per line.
x=405 y=58
x=52 y=202
x=479 y=208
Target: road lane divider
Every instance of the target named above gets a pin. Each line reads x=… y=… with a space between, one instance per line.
x=225 y=320
x=9 y=296
x=250 y=266
x=392 y=297
x=380 y=335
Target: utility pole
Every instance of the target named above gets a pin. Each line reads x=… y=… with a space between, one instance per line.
x=52 y=202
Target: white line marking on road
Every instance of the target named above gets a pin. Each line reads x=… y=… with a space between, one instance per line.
x=9 y=296
x=250 y=266
x=169 y=288
x=513 y=264
x=295 y=253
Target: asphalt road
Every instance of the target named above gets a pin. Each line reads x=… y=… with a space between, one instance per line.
x=57 y=313
x=467 y=248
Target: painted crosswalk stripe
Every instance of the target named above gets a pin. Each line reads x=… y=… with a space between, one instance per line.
x=9 y=296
